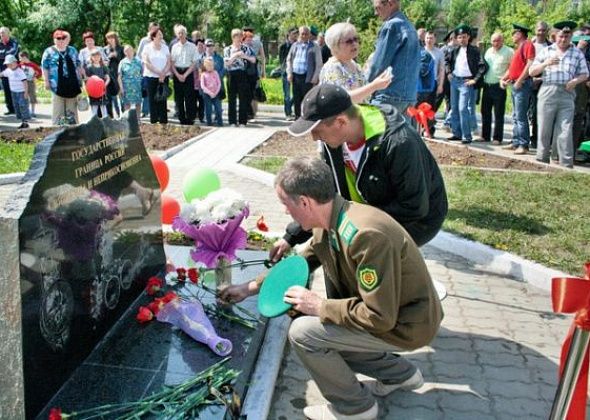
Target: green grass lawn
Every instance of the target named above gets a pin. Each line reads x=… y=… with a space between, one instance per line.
x=15 y=157
x=541 y=217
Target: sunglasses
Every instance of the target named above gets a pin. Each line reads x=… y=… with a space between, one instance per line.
x=350 y=41
x=60 y=38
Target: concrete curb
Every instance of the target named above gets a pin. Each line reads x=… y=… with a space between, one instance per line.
x=12 y=178
x=496 y=261
x=258 y=398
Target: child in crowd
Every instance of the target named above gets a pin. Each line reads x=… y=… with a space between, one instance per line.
x=211 y=86
x=18 y=87
x=32 y=71
x=97 y=68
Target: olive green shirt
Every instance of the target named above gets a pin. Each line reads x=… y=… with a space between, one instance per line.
x=498 y=62
x=376 y=277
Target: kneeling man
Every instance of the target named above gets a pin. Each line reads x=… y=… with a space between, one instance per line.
x=380 y=298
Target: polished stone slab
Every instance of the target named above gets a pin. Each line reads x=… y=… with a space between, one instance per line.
x=139 y=359
x=88 y=236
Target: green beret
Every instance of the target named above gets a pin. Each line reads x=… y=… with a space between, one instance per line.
x=565 y=25
x=520 y=28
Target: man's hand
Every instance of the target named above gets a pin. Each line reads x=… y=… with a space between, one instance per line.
x=518 y=84
x=304 y=300
x=570 y=86
x=470 y=82
x=237 y=293
x=551 y=61
x=290 y=78
x=278 y=250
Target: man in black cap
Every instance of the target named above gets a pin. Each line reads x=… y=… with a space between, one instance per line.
x=562 y=67
x=522 y=86
x=466 y=69
x=377 y=158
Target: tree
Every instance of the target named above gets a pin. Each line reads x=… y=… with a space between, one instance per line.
x=423 y=13
x=460 y=11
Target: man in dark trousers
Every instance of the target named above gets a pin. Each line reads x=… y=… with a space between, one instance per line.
x=283 y=52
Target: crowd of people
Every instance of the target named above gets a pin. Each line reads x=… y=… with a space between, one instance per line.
x=139 y=80
x=546 y=77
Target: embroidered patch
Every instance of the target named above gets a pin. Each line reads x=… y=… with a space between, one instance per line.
x=347 y=231
x=368 y=278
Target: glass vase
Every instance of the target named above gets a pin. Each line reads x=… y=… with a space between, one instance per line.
x=222 y=273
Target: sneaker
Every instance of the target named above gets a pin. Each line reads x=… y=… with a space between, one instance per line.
x=379 y=389
x=496 y=142
x=521 y=150
x=481 y=140
x=328 y=412
x=290 y=118
x=23 y=125
x=509 y=147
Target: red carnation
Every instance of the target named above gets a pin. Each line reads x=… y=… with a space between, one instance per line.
x=154 y=285
x=263 y=227
x=144 y=315
x=55 y=414
x=156 y=305
x=193 y=275
x=181 y=274
x=169 y=297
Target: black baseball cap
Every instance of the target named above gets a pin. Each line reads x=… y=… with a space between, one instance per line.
x=321 y=102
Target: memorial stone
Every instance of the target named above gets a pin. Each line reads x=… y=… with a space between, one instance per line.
x=80 y=237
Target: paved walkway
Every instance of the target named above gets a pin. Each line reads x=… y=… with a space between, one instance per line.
x=497 y=352
x=496 y=355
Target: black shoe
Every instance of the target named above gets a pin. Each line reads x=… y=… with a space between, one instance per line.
x=454 y=138
x=466 y=141
x=23 y=125
x=9 y=113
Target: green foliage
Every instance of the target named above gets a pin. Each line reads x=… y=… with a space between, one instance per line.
x=423 y=13
x=274 y=91
x=460 y=11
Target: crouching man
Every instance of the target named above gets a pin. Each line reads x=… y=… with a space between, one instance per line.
x=380 y=298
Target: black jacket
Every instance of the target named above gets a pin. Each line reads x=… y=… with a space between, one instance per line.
x=477 y=65
x=397 y=174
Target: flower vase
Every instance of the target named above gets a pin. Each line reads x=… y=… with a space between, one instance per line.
x=222 y=273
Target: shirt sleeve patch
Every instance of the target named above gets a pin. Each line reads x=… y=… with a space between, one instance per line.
x=368 y=278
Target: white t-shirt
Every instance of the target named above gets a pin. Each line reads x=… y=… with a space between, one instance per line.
x=461 y=66
x=352 y=158
x=157 y=58
x=16 y=79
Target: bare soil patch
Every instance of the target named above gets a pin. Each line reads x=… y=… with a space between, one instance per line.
x=281 y=144
x=155 y=137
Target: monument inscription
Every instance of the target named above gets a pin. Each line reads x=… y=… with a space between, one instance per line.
x=89 y=236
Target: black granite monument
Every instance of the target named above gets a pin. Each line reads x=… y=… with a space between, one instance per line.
x=89 y=238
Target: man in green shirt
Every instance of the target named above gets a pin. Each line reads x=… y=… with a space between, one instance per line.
x=498 y=58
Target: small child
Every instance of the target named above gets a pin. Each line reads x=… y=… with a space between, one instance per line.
x=18 y=86
x=211 y=86
x=96 y=67
x=32 y=71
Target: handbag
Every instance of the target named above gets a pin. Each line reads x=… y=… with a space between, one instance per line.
x=83 y=104
x=163 y=91
x=259 y=93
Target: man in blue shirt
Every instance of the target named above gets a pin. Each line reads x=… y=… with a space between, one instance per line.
x=397 y=47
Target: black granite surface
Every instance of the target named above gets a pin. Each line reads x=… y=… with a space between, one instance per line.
x=90 y=236
x=136 y=360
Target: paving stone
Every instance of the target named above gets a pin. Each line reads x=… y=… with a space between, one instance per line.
x=465 y=402
x=513 y=389
x=517 y=408
x=505 y=374
x=458 y=370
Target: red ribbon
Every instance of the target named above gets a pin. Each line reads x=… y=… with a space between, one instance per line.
x=572 y=295
x=422 y=114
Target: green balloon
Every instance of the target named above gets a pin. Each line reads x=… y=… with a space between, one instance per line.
x=199 y=182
